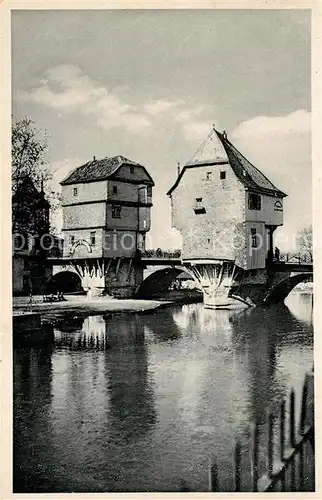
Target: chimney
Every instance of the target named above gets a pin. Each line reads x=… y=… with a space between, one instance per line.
x=178 y=168
x=94 y=159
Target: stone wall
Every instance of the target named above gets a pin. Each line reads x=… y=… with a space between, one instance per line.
x=211 y=234
x=128 y=278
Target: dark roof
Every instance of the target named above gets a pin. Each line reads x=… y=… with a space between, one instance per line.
x=27 y=193
x=218 y=150
x=247 y=173
x=96 y=170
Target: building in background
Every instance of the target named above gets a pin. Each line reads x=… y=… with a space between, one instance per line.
x=32 y=242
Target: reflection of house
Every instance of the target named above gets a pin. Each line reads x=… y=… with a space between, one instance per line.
x=32 y=242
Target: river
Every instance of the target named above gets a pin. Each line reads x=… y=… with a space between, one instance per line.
x=140 y=402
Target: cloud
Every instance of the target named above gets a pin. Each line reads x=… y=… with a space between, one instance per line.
x=68 y=89
x=280 y=146
x=161 y=106
x=60 y=169
x=193 y=126
x=195 y=130
x=298 y=122
x=188 y=114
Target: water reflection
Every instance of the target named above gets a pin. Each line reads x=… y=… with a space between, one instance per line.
x=139 y=403
x=32 y=396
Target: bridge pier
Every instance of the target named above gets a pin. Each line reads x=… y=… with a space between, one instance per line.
x=117 y=277
x=215 y=278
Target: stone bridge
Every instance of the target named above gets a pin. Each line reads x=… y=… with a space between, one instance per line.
x=266 y=286
x=253 y=287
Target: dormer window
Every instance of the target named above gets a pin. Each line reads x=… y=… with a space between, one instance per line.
x=199 y=208
x=254 y=201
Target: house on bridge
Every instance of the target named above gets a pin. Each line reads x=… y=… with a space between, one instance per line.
x=106 y=214
x=224 y=207
x=226 y=211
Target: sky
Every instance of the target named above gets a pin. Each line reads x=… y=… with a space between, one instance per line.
x=149 y=85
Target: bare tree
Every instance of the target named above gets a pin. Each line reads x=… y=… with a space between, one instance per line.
x=28 y=151
x=29 y=159
x=304 y=241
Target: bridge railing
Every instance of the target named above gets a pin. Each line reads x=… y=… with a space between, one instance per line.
x=159 y=253
x=295 y=258
x=288 y=257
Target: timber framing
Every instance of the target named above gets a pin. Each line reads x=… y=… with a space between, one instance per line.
x=122 y=203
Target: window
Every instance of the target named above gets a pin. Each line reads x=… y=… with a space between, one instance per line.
x=26 y=264
x=132 y=170
x=149 y=191
x=254 y=237
x=254 y=201
x=114 y=189
x=75 y=191
x=92 y=237
x=199 y=208
x=208 y=176
x=222 y=175
x=116 y=211
x=142 y=194
x=72 y=239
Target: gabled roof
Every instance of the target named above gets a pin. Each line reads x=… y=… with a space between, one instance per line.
x=218 y=150
x=97 y=170
x=211 y=151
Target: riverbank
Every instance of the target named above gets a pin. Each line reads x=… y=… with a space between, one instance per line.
x=82 y=306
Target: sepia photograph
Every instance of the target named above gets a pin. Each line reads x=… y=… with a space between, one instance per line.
x=162 y=252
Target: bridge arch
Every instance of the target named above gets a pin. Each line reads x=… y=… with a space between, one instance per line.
x=158 y=282
x=64 y=281
x=279 y=291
